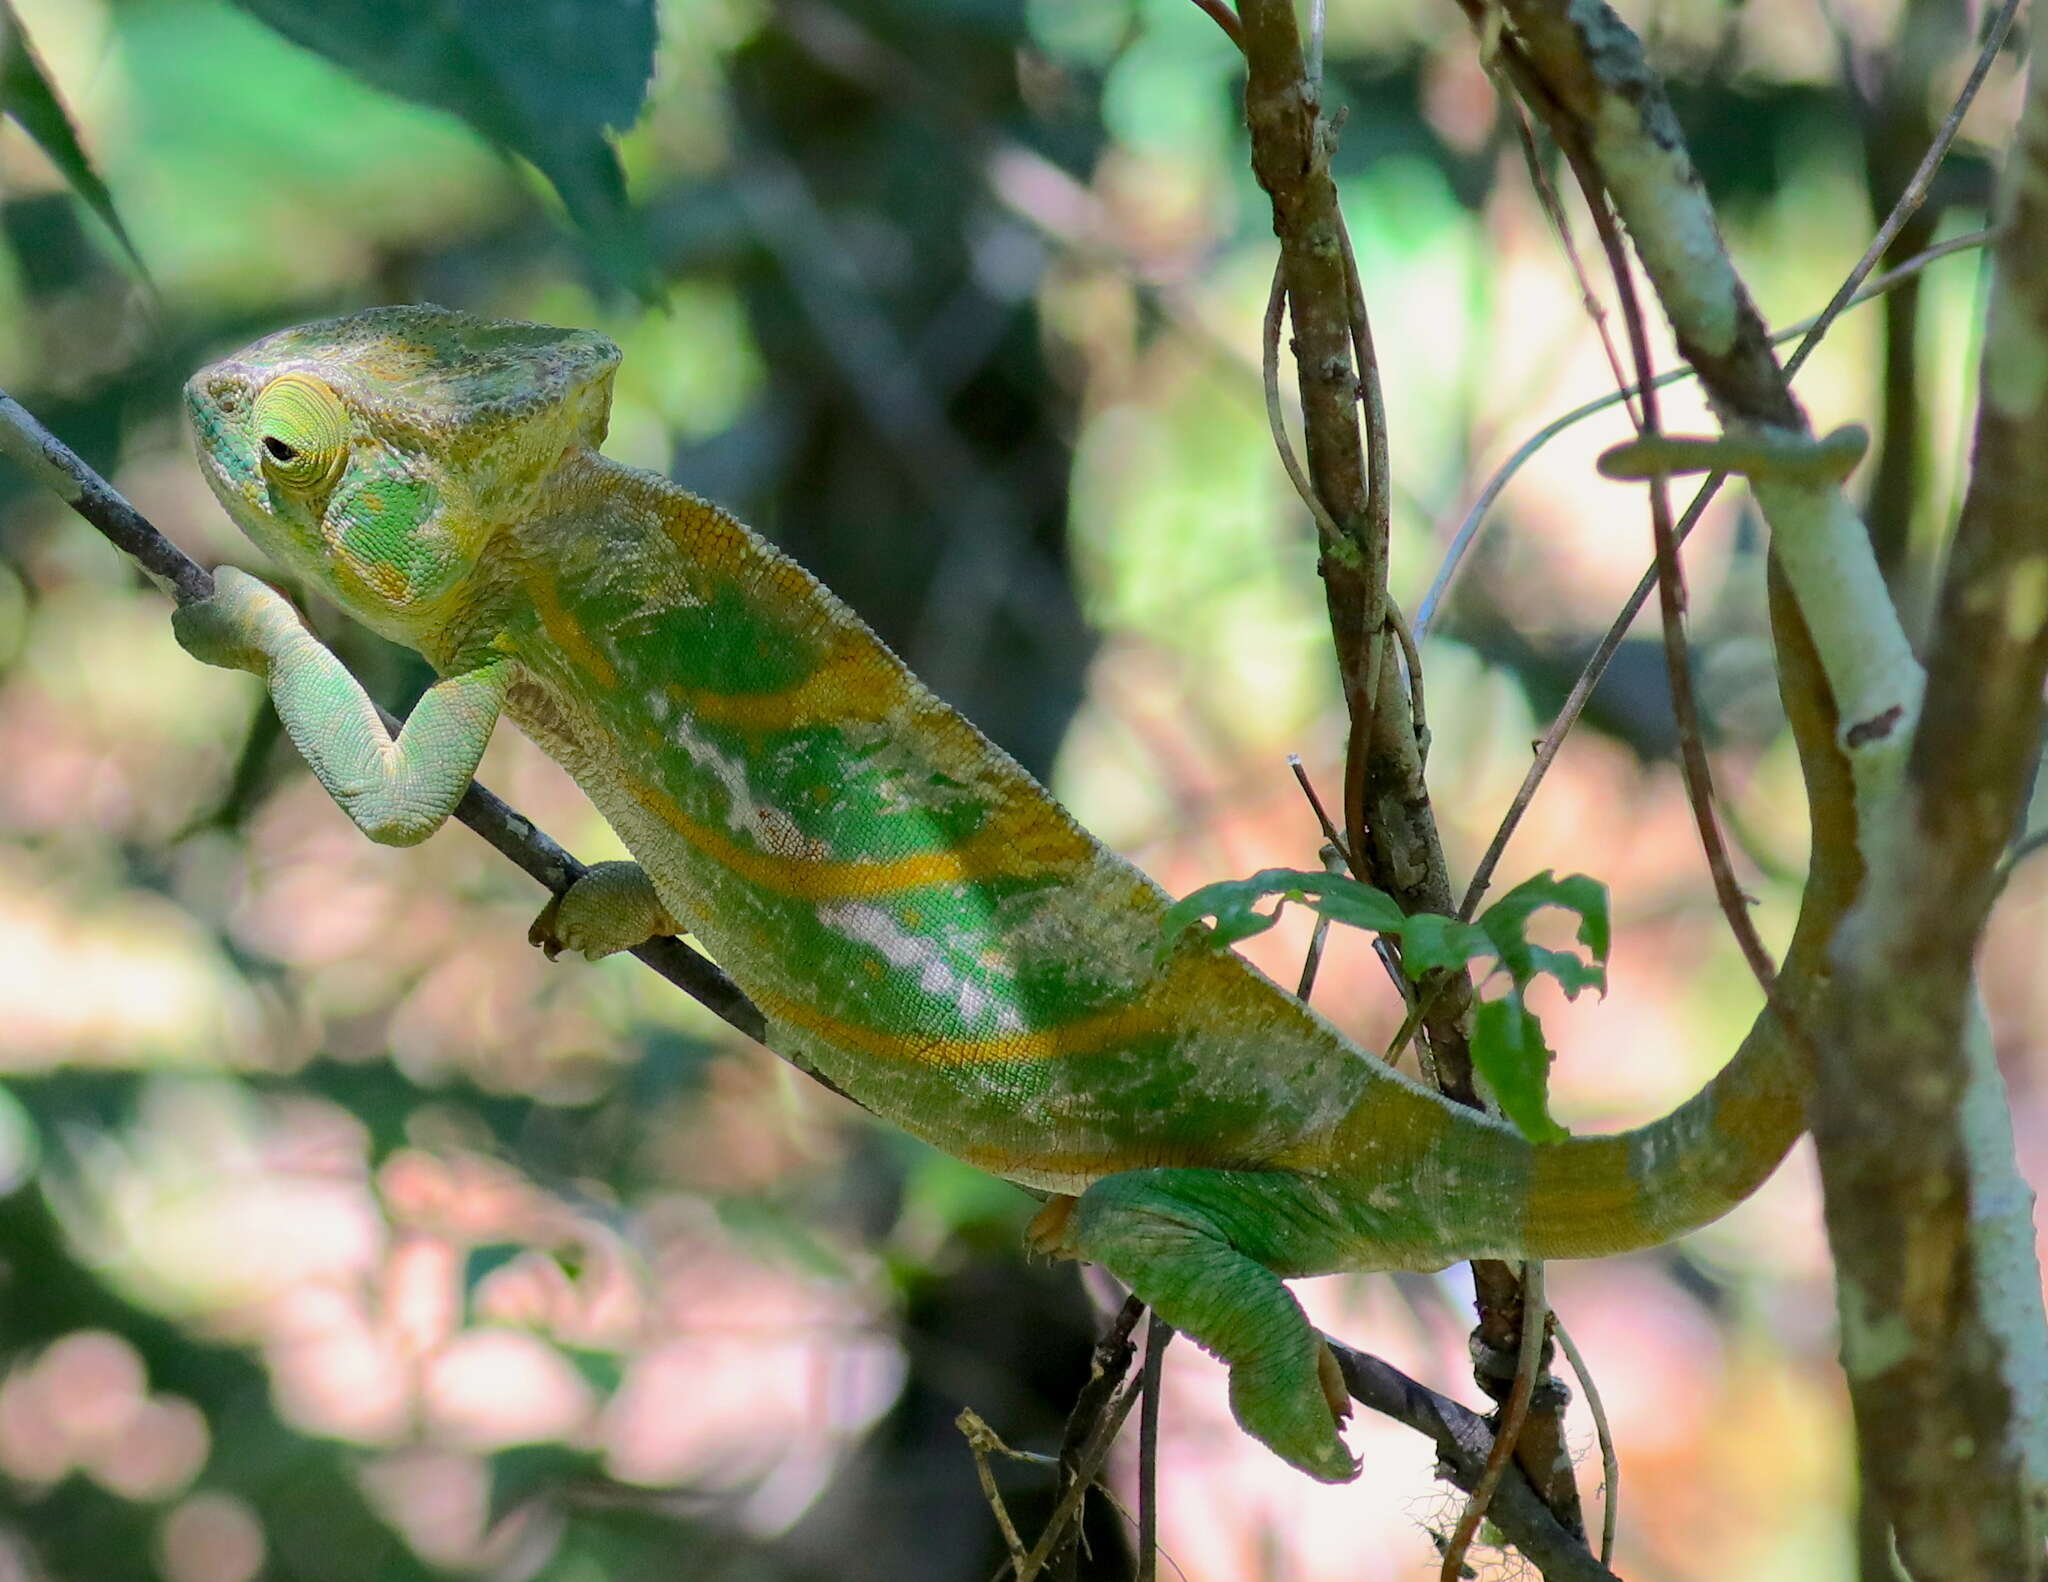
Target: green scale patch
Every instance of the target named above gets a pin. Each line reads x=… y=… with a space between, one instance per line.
x=728 y=644
x=383 y=513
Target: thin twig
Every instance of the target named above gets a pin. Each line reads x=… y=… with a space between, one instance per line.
x=1319 y=937
x=1553 y=209
x=1276 y=312
x=1694 y=766
x=1157 y=1333
x=1067 y=1512
x=1610 y=1463
x=1330 y=832
x=1411 y=655
x=1528 y=1364
x=1463 y=1441
x=1378 y=539
x=1917 y=189
x=981 y=1440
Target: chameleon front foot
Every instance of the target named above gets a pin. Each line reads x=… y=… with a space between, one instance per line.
x=240 y=626
x=612 y=907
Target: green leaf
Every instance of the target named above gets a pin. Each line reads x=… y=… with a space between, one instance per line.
x=547 y=81
x=1430 y=940
x=27 y=95
x=1234 y=904
x=1571 y=970
x=1506 y=924
x=1347 y=901
x=1508 y=1049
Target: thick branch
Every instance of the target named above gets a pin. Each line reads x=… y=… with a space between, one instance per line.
x=1932 y=1230
x=1290 y=156
x=1942 y=1326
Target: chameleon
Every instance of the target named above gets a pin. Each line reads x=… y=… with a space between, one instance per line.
x=917 y=919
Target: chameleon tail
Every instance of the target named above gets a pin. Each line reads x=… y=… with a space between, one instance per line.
x=1589 y=1197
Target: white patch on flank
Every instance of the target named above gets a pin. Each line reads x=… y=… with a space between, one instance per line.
x=658 y=706
x=878 y=929
x=740 y=812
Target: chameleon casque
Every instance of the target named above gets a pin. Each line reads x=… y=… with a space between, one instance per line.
x=918 y=920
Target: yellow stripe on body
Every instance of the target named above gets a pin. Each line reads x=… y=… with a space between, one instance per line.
x=857 y=683
x=566 y=632
x=1015 y=843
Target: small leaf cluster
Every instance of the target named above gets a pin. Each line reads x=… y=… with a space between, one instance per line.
x=1508 y=1046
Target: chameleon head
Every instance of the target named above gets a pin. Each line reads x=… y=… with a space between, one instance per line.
x=377 y=454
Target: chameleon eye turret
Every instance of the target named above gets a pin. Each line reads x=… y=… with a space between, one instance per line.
x=301 y=429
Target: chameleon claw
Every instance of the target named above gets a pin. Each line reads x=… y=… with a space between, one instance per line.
x=1330 y=1375
x=542 y=931
x=1046 y=1235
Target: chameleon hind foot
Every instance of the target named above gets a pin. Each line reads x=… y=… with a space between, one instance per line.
x=612 y=907
x=1157 y=1230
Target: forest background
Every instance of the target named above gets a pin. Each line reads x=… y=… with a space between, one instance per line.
x=346 y=1237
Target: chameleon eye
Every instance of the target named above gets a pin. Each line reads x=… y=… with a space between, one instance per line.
x=302 y=429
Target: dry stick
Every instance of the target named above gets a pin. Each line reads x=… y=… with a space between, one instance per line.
x=1379 y=475
x=1068 y=1511
x=1610 y=1463
x=1319 y=937
x=1359 y=735
x=1157 y=1333
x=515 y=836
x=1463 y=1441
x=981 y=1441
x=1315 y=803
x=1849 y=292
x=1528 y=1363
x=1107 y=1365
x=1692 y=748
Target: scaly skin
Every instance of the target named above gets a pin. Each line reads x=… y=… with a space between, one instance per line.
x=917 y=919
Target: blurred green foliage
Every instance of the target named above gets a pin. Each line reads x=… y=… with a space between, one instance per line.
x=957 y=301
